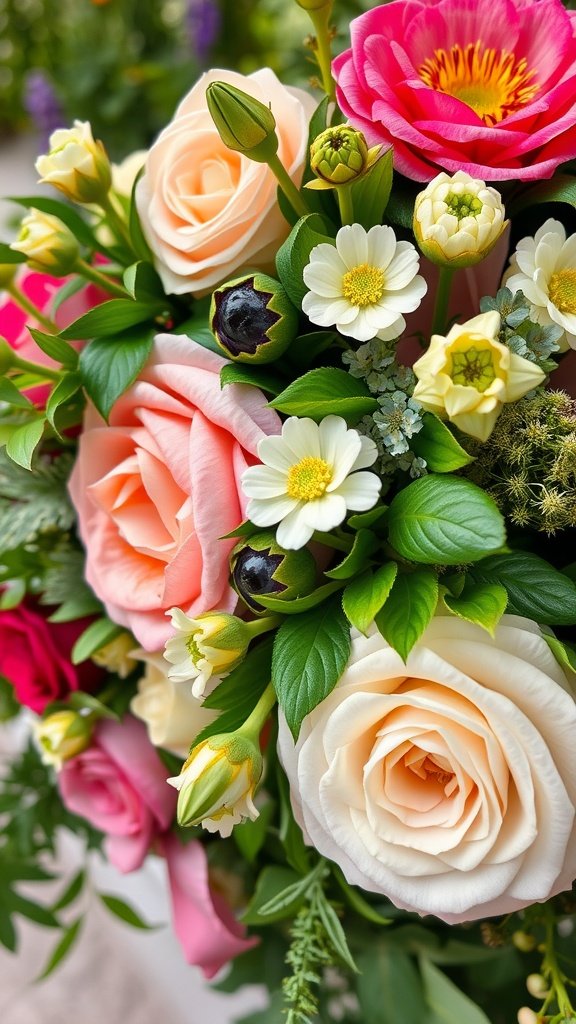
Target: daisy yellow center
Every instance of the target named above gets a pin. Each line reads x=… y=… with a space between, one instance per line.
x=473 y=368
x=308 y=479
x=492 y=82
x=562 y=290
x=363 y=285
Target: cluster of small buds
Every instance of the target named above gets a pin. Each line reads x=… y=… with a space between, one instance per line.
x=397 y=420
x=375 y=362
x=387 y=464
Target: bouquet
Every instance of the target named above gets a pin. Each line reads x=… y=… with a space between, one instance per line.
x=287 y=492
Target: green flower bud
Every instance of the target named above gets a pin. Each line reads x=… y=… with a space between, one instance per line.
x=7 y=273
x=47 y=243
x=63 y=735
x=217 y=783
x=253 y=319
x=339 y=156
x=260 y=567
x=244 y=123
x=6 y=356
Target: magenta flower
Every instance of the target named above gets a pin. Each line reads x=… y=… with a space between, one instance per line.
x=483 y=86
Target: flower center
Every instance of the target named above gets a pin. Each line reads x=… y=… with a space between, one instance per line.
x=435 y=766
x=363 y=285
x=463 y=205
x=308 y=479
x=193 y=649
x=493 y=83
x=562 y=290
x=473 y=368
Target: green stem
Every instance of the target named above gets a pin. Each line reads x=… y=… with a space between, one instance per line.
x=321 y=21
x=345 y=203
x=551 y=969
x=101 y=280
x=117 y=222
x=442 y=299
x=35 y=368
x=263 y=625
x=253 y=724
x=288 y=186
x=333 y=542
x=24 y=302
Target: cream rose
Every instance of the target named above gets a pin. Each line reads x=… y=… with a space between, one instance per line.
x=446 y=784
x=205 y=210
x=171 y=714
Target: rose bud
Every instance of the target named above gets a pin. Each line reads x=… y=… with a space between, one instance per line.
x=244 y=124
x=253 y=319
x=211 y=644
x=47 y=243
x=63 y=735
x=260 y=567
x=76 y=164
x=339 y=156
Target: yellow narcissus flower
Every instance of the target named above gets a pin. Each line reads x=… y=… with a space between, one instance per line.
x=458 y=220
x=47 y=243
x=468 y=375
x=76 y=164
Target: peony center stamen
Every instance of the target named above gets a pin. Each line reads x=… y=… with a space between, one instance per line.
x=308 y=479
x=363 y=285
x=473 y=368
x=493 y=83
x=562 y=290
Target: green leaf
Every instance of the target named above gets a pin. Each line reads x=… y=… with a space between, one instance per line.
x=294 y=254
x=10 y=256
x=400 y=209
x=17 y=904
x=8 y=937
x=64 y=946
x=197 y=326
x=251 y=835
x=449 y=1005
x=306 y=347
x=299 y=604
x=82 y=701
x=364 y=597
x=74 y=284
x=365 y=520
x=365 y=544
x=109 y=318
x=56 y=348
x=71 y=892
x=535 y=588
x=256 y=376
x=143 y=283
x=297 y=853
x=141 y=247
x=76 y=608
x=272 y=883
x=389 y=980
x=109 y=366
x=335 y=932
x=370 y=194
x=125 y=912
x=310 y=652
x=98 y=634
x=565 y=654
x=436 y=443
x=237 y=695
x=66 y=388
x=408 y=610
x=69 y=216
x=444 y=520
x=560 y=189
x=483 y=604
x=358 y=902
x=24 y=441
x=10 y=393
x=324 y=391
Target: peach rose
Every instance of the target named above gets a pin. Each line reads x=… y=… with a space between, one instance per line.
x=207 y=211
x=157 y=488
x=446 y=784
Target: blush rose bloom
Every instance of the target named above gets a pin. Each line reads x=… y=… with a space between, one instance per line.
x=203 y=922
x=119 y=785
x=207 y=211
x=157 y=488
x=440 y=81
x=446 y=784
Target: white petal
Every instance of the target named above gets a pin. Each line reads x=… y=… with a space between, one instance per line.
x=267 y=511
x=322 y=280
x=352 y=245
x=332 y=432
x=293 y=532
x=325 y=513
x=274 y=452
x=263 y=482
x=302 y=436
x=381 y=246
x=322 y=311
x=360 y=491
x=367 y=455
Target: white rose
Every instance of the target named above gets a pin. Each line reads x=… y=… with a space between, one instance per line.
x=446 y=784
x=172 y=715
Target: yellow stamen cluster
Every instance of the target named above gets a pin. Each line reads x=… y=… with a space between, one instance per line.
x=562 y=290
x=363 y=285
x=308 y=479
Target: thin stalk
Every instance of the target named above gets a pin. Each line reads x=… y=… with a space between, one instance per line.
x=345 y=203
x=263 y=625
x=117 y=222
x=100 y=279
x=321 y=21
x=35 y=368
x=253 y=724
x=442 y=300
x=24 y=302
x=288 y=186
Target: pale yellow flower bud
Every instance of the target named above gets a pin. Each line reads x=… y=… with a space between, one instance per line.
x=537 y=986
x=76 y=164
x=468 y=375
x=458 y=220
x=47 y=243
x=527 y=1016
x=217 y=783
x=117 y=656
x=61 y=736
x=211 y=644
x=524 y=941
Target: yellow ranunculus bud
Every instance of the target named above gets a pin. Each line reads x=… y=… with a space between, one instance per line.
x=217 y=783
x=117 y=656
x=468 y=375
x=62 y=735
x=244 y=123
x=76 y=164
x=212 y=644
x=47 y=243
x=339 y=156
x=458 y=220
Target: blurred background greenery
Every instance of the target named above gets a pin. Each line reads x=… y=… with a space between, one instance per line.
x=124 y=64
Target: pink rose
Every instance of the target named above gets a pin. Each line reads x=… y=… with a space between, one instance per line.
x=119 y=785
x=204 y=924
x=157 y=489
x=452 y=90
x=207 y=211
x=35 y=657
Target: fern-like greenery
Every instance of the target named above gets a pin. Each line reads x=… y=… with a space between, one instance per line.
x=36 y=502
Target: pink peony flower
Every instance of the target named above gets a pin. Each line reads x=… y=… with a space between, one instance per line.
x=157 y=489
x=119 y=785
x=483 y=86
x=204 y=924
x=35 y=657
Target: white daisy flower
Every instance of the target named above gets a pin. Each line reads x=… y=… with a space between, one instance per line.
x=309 y=478
x=544 y=269
x=363 y=283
